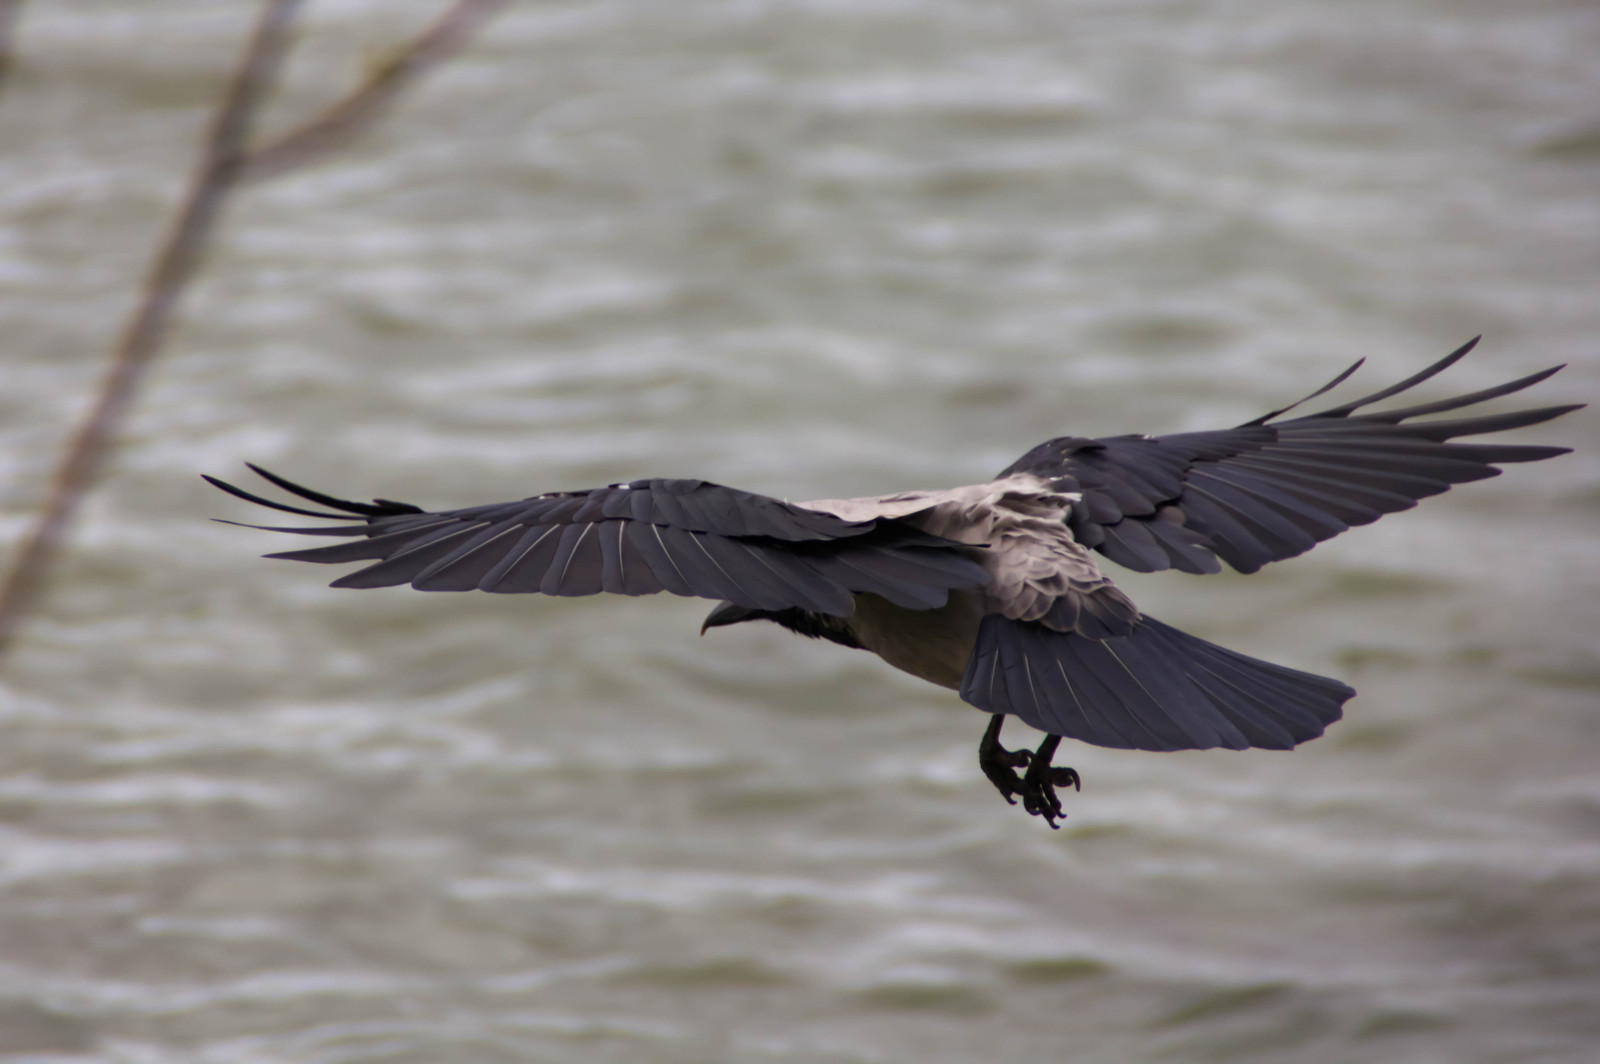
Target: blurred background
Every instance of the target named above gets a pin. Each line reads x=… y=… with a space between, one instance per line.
x=809 y=248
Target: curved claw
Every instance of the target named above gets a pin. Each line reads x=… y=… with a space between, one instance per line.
x=1039 y=785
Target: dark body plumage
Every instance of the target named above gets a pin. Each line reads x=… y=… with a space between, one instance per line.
x=989 y=589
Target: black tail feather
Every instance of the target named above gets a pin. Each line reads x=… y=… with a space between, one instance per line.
x=1154 y=689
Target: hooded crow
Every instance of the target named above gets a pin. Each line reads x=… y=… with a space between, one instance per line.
x=993 y=590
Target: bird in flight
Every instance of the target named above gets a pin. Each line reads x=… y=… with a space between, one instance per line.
x=993 y=590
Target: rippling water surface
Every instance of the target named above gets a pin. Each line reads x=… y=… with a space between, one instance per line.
x=813 y=249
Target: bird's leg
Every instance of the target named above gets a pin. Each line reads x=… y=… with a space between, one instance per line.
x=1000 y=764
x=1040 y=783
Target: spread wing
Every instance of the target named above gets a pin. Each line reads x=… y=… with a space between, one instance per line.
x=688 y=537
x=1271 y=489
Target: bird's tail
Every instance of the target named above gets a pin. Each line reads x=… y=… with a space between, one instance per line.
x=1155 y=688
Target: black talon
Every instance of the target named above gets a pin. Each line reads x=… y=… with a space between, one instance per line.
x=1039 y=785
x=1066 y=777
x=1000 y=764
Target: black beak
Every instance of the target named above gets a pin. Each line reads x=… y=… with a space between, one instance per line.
x=728 y=613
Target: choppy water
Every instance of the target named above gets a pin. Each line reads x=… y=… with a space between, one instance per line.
x=808 y=248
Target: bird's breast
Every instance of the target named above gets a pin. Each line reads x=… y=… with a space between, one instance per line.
x=933 y=645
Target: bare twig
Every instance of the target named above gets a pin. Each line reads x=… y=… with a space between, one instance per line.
x=180 y=253
x=227 y=159
x=9 y=9
x=348 y=117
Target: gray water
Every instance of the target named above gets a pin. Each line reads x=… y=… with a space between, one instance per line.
x=813 y=249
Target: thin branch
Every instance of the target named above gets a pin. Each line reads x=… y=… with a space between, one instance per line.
x=349 y=117
x=226 y=160
x=219 y=171
x=9 y=10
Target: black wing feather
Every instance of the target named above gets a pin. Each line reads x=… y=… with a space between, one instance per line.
x=575 y=569
x=688 y=537
x=466 y=566
x=1271 y=489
